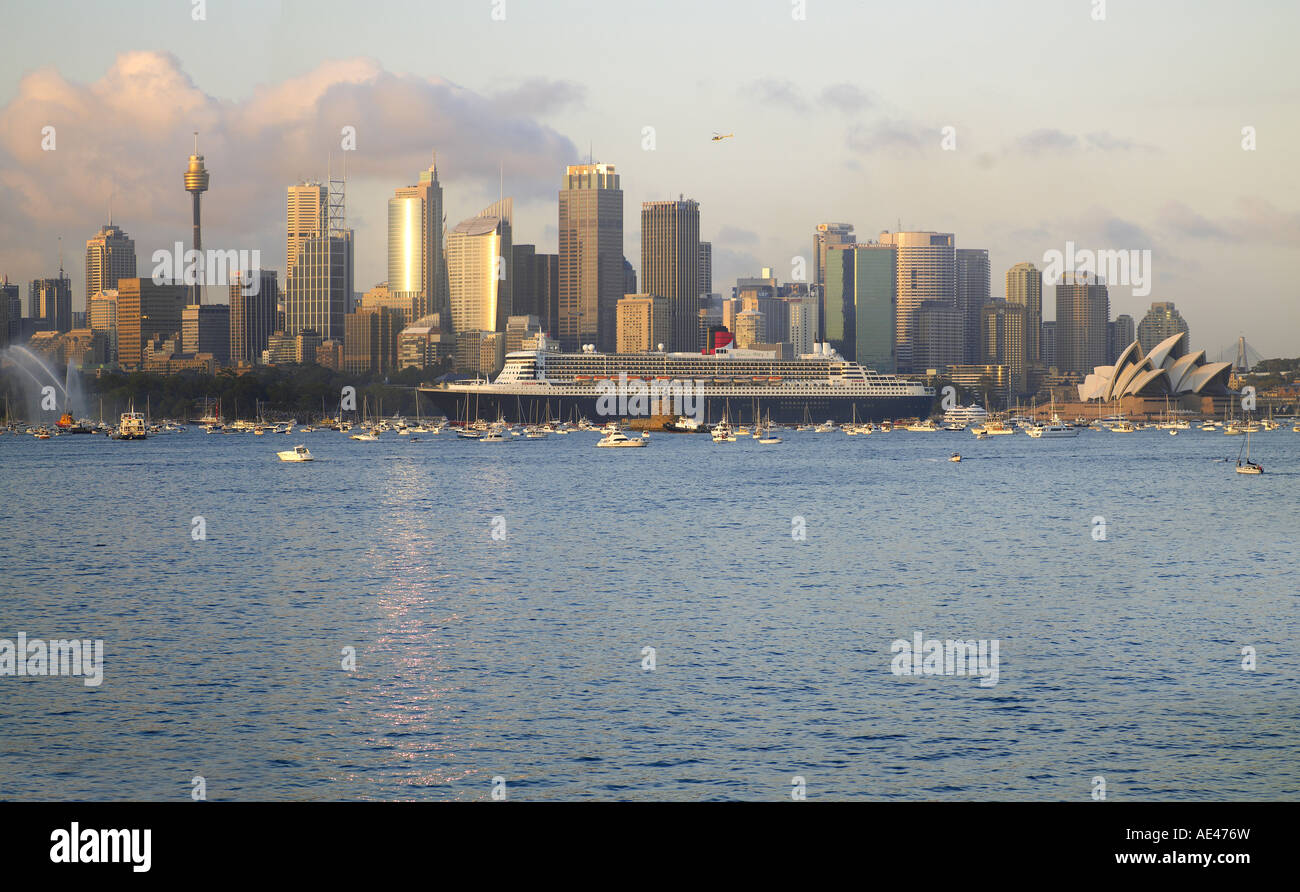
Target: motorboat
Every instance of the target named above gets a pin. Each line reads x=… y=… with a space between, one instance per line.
x=297 y=453
x=618 y=439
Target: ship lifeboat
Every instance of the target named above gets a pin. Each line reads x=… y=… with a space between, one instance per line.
x=774 y=379
x=760 y=379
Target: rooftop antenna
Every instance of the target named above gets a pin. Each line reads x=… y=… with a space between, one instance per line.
x=60 y=257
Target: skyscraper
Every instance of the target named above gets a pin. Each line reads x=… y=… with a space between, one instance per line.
x=642 y=322
x=1082 y=311
x=1122 y=333
x=49 y=302
x=927 y=270
x=972 y=294
x=1161 y=321
x=591 y=277
x=1025 y=288
x=206 y=329
x=318 y=286
x=110 y=255
x=415 y=255
x=196 y=183
x=861 y=292
x=1002 y=339
x=146 y=311
x=252 y=316
x=706 y=268
x=306 y=212
x=670 y=265
x=479 y=261
x=828 y=234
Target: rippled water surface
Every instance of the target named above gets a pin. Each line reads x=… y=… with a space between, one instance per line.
x=522 y=658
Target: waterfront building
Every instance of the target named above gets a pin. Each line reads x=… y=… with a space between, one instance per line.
x=750 y=326
x=318 y=286
x=425 y=344
x=519 y=329
x=1161 y=322
x=330 y=355
x=643 y=323
x=415 y=251
x=1120 y=333
x=147 y=312
x=1082 y=314
x=110 y=255
x=205 y=328
x=11 y=311
x=705 y=269
x=101 y=316
x=1002 y=339
x=480 y=353
x=972 y=293
x=670 y=260
x=370 y=340
x=926 y=271
x=1025 y=289
x=938 y=335
x=252 y=315
x=479 y=260
x=825 y=236
x=1048 y=345
x=1167 y=369
x=49 y=302
x=591 y=277
x=861 y=296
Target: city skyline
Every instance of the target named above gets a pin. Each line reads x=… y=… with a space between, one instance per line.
x=1106 y=159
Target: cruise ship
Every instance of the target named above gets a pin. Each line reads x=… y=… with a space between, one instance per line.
x=537 y=384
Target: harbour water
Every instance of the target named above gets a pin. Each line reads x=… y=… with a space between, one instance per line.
x=521 y=657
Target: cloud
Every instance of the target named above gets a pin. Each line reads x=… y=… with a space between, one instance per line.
x=1049 y=140
x=737 y=236
x=891 y=137
x=129 y=133
x=846 y=98
x=1046 y=140
x=539 y=96
x=770 y=91
x=1186 y=223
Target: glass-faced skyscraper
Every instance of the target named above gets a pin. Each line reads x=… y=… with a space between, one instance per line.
x=861 y=291
x=318 y=285
x=479 y=262
x=670 y=265
x=591 y=277
x=415 y=255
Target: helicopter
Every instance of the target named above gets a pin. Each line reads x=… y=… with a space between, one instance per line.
x=719 y=137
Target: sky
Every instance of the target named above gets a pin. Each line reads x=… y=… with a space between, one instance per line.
x=1121 y=131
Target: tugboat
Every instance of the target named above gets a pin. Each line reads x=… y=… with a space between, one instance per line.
x=67 y=425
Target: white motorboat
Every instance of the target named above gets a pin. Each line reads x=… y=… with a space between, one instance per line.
x=956 y=456
x=617 y=439
x=297 y=453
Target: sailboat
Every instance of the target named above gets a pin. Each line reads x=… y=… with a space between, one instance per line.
x=1246 y=466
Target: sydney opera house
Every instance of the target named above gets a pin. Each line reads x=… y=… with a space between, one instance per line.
x=1167 y=372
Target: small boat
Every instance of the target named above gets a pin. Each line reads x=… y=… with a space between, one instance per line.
x=1245 y=465
x=769 y=440
x=297 y=453
x=618 y=439
x=494 y=436
x=367 y=437
x=956 y=456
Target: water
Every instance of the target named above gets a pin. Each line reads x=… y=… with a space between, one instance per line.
x=521 y=658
